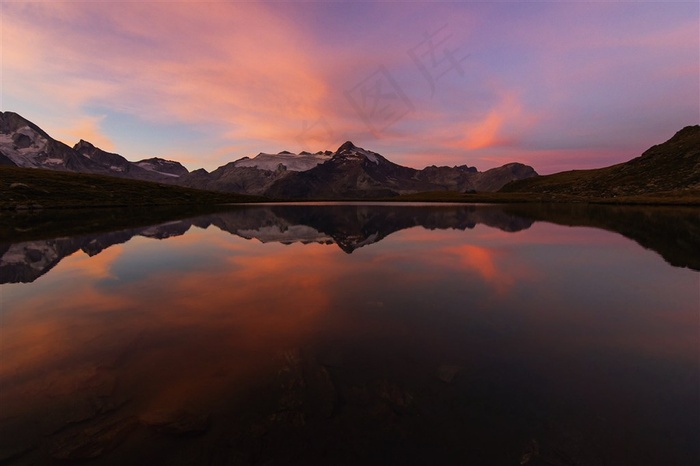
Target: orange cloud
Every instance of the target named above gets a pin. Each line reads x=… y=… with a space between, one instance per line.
x=490 y=129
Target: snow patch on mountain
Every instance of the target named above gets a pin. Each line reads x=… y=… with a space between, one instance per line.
x=23 y=146
x=291 y=162
x=162 y=167
x=151 y=168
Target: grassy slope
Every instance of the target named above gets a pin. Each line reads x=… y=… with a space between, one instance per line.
x=680 y=197
x=666 y=171
x=33 y=188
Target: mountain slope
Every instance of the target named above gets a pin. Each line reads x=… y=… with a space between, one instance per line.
x=27 y=145
x=162 y=166
x=671 y=166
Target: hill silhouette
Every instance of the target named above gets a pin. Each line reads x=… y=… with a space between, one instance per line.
x=671 y=167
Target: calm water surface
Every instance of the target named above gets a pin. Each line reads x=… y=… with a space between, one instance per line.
x=350 y=334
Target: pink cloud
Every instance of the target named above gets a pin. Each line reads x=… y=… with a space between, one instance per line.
x=253 y=76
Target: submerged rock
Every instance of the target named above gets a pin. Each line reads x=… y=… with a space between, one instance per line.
x=447 y=372
x=176 y=422
x=93 y=441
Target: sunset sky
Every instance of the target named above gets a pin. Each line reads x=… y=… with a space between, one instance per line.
x=557 y=85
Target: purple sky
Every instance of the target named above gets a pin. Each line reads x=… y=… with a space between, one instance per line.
x=558 y=85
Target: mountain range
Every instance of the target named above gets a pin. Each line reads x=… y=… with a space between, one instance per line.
x=350 y=172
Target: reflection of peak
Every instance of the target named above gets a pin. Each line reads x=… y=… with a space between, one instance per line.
x=83 y=145
x=349 y=244
x=166 y=230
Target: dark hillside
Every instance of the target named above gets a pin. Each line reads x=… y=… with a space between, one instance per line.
x=22 y=188
x=673 y=166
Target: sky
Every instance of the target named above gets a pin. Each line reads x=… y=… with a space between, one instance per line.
x=557 y=85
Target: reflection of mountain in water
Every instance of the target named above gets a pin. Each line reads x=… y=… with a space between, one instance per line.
x=353 y=226
x=348 y=226
x=673 y=233
x=27 y=261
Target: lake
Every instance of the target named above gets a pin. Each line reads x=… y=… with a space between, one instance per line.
x=355 y=334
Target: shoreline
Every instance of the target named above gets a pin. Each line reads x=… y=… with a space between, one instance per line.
x=31 y=189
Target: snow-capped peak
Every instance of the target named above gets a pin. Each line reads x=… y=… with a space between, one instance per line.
x=350 y=150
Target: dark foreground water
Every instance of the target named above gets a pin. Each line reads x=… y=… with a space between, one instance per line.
x=350 y=334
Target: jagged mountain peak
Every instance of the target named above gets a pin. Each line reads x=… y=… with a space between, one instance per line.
x=91 y=151
x=346 y=147
x=350 y=151
x=83 y=144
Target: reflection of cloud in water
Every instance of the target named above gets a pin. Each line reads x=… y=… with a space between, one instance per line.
x=303 y=341
x=483 y=261
x=355 y=226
